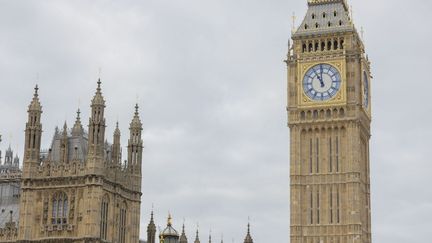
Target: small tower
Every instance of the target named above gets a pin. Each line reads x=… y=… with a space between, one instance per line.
x=183 y=238
x=151 y=230
x=96 y=137
x=135 y=146
x=8 y=156
x=248 y=238
x=116 y=154
x=33 y=133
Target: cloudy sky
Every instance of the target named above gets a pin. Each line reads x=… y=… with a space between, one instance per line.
x=209 y=78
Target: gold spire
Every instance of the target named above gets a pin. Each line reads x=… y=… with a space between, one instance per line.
x=169 y=219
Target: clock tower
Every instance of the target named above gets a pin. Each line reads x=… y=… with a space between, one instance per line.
x=329 y=114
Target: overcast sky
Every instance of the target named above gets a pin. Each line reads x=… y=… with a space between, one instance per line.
x=211 y=86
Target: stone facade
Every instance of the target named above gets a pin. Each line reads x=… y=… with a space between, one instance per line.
x=329 y=115
x=10 y=182
x=80 y=190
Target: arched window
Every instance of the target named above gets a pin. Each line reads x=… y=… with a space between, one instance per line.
x=304 y=48
x=59 y=208
x=104 y=218
x=322 y=46
x=335 y=45
x=313 y=16
x=324 y=15
x=316 y=46
x=310 y=47
x=329 y=45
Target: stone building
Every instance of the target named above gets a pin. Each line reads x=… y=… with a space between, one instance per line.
x=10 y=181
x=329 y=113
x=80 y=190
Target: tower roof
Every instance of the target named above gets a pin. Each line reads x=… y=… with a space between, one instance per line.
x=98 y=98
x=136 y=122
x=151 y=226
x=35 y=104
x=169 y=231
x=248 y=238
x=197 y=240
x=183 y=238
x=325 y=16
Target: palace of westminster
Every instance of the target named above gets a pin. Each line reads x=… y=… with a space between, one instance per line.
x=80 y=190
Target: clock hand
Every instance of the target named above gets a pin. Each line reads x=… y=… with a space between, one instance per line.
x=320 y=79
x=322 y=82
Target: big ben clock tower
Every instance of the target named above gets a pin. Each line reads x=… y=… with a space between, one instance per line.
x=329 y=113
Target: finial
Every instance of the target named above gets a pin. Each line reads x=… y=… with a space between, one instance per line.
x=136 y=109
x=293 y=22
x=362 y=33
x=99 y=85
x=169 y=219
x=78 y=114
x=36 y=90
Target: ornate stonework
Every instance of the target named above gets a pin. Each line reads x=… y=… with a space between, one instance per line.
x=80 y=190
x=329 y=115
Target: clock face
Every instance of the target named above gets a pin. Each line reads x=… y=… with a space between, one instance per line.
x=365 y=89
x=321 y=82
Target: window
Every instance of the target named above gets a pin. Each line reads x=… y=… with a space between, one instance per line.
x=331 y=205
x=59 y=208
x=318 y=206
x=337 y=153
x=310 y=157
x=330 y=155
x=104 y=218
x=324 y=15
x=337 y=207
x=122 y=228
x=306 y=26
x=335 y=13
x=313 y=16
x=317 y=155
x=329 y=24
x=311 y=208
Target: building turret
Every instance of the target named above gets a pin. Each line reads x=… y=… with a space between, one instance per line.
x=16 y=161
x=151 y=230
x=77 y=129
x=116 y=148
x=183 y=238
x=248 y=238
x=8 y=156
x=96 y=136
x=135 y=147
x=33 y=135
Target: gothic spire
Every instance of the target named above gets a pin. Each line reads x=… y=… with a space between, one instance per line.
x=33 y=134
x=197 y=240
x=35 y=104
x=98 y=98
x=151 y=230
x=183 y=238
x=248 y=238
x=77 y=129
x=116 y=148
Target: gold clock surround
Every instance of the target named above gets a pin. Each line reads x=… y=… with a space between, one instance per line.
x=338 y=99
